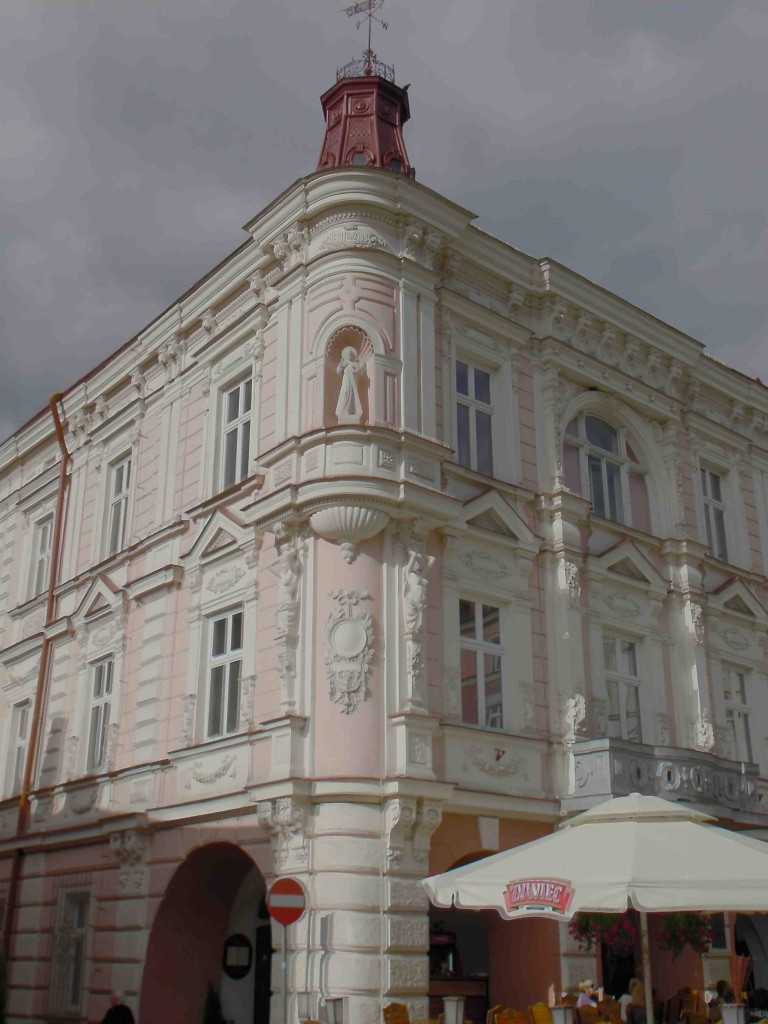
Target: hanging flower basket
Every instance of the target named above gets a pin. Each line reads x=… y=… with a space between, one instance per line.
x=619 y=931
x=686 y=928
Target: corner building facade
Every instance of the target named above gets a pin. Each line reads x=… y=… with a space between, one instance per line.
x=384 y=547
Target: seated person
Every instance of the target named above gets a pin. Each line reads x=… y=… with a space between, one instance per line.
x=636 y=1004
x=626 y=999
x=587 y=994
x=723 y=994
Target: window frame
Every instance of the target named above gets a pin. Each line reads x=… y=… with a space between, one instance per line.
x=18 y=745
x=588 y=449
x=241 y=425
x=117 y=504
x=69 y=973
x=42 y=527
x=482 y=648
x=475 y=407
x=711 y=506
x=225 y=660
x=624 y=680
x=734 y=709
x=95 y=759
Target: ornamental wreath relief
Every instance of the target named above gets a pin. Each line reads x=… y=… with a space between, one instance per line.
x=348 y=649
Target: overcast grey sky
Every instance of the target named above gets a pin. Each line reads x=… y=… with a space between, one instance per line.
x=625 y=138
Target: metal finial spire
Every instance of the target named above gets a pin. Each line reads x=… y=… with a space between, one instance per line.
x=370 y=64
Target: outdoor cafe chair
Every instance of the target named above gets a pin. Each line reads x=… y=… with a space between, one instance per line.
x=539 y=1014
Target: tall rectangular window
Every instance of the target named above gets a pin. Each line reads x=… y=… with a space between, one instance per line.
x=714 y=513
x=69 y=954
x=224 y=672
x=101 y=704
x=119 y=487
x=41 y=556
x=474 y=446
x=19 y=740
x=736 y=714
x=482 y=664
x=236 y=438
x=622 y=684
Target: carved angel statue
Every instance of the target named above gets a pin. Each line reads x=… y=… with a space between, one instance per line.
x=415 y=583
x=349 y=408
x=287 y=569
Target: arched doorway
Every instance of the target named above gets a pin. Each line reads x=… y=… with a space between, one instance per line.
x=215 y=894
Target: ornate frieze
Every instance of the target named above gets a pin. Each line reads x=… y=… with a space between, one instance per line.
x=347 y=526
x=409 y=825
x=285 y=820
x=129 y=848
x=415 y=602
x=348 y=649
x=287 y=570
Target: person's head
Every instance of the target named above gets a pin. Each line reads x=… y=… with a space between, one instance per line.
x=724 y=991
x=116 y=997
x=587 y=986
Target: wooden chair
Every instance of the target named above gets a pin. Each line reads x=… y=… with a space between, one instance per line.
x=588 y=1015
x=511 y=1017
x=539 y=1014
x=396 y=1013
x=490 y=1017
x=610 y=1009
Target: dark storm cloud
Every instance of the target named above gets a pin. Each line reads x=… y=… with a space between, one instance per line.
x=625 y=138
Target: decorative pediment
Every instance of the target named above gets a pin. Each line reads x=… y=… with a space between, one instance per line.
x=101 y=598
x=492 y=515
x=625 y=561
x=221 y=534
x=735 y=596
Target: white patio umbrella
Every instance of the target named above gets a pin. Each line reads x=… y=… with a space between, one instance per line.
x=638 y=851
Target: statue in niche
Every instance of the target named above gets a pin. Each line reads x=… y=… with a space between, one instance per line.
x=287 y=569
x=349 y=408
x=415 y=583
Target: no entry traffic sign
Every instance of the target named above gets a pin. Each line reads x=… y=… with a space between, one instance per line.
x=287 y=900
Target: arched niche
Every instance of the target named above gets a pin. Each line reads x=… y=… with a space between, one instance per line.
x=377 y=377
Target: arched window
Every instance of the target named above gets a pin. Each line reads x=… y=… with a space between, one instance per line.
x=600 y=464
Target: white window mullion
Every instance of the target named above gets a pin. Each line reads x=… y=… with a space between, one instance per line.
x=120 y=482
x=101 y=704
x=224 y=674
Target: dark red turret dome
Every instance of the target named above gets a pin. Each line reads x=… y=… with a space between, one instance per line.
x=364 y=116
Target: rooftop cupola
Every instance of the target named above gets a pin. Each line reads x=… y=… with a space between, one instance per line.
x=365 y=111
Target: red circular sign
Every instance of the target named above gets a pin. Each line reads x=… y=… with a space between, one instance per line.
x=287 y=900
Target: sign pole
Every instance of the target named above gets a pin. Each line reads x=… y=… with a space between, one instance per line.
x=286 y=903
x=284 y=966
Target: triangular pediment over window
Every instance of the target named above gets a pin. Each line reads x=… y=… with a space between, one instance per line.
x=735 y=596
x=627 y=561
x=497 y=518
x=221 y=534
x=102 y=597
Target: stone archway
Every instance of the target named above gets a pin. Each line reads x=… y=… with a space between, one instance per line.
x=185 y=946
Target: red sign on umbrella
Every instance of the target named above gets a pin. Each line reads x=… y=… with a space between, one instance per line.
x=286 y=901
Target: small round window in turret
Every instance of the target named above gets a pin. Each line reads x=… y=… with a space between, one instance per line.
x=395 y=165
x=360 y=159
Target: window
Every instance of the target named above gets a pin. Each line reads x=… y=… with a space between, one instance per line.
x=18 y=744
x=474 y=447
x=101 y=702
x=719 y=932
x=41 y=557
x=236 y=433
x=736 y=714
x=622 y=685
x=68 y=960
x=714 y=513
x=224 y=674
x=119 y=484
x=482 y=664
x=598 y=462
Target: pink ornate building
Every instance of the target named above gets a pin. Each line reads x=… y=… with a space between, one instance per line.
x=384 y=547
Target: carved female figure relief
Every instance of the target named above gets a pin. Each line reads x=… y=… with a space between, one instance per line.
x=415 y=583
x=287 y=569
x=349 y=408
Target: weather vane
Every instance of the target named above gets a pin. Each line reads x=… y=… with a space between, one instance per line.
x=367 y=8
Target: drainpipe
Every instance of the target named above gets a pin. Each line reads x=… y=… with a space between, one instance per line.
x=43 y=676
